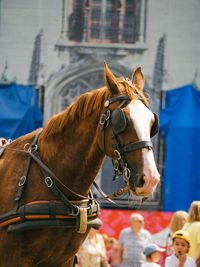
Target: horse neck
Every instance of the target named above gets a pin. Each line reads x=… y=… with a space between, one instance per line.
x=74 y=154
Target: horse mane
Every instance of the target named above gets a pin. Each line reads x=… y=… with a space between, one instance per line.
x=86 y=104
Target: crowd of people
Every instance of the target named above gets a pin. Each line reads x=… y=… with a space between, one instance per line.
x=135 y=247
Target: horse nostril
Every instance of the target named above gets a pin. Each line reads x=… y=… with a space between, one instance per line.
x=140 y=181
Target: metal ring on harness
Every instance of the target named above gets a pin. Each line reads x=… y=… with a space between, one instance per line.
x=34 y=148
x=73 y=213
x=117 y=154
x=27 y=147
x=116 y=165
x=22 y=180
x=48 y=181
x=127 y=174
x=108 y=114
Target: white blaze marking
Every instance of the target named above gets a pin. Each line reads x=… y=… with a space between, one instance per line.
x=142 y=117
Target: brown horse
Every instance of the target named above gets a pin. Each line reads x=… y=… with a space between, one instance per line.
x=114 y=120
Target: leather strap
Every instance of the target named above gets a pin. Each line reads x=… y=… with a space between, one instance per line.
x=23 y=179
x=81 y=222
x=111 y=196
x=119 y=98
x=96 y=223
x=135 y=146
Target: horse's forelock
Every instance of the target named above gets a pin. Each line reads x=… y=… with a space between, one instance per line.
x=133 y=91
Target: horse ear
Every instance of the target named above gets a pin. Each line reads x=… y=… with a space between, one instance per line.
x=138 y=78
x=111 y=80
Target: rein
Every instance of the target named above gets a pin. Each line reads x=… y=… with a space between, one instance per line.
x=31 y=152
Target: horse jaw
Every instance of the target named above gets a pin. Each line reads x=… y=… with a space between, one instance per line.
x=142 y=117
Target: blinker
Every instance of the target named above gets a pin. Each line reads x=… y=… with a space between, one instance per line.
x=118 y=121
x=155 y=126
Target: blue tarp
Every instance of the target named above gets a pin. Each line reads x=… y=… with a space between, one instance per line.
x=180 y=128
x=19 y=110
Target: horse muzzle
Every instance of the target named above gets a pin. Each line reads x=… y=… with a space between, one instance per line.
x=145 y=186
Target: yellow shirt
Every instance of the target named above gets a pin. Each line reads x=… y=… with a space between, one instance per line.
x=194 y=231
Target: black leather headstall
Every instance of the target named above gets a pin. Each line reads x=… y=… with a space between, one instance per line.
x=116 y=120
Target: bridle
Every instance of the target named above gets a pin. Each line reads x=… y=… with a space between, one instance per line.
x=116 y=120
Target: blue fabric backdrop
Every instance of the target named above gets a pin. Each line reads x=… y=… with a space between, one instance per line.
x=180 y=127
x=19 y=110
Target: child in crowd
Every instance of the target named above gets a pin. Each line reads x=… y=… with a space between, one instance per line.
x=152 y=252
x=181 y=245
x=178 y=219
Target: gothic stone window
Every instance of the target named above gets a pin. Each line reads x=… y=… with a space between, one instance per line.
x=105 y=21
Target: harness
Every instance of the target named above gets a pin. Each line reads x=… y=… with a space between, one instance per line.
x=66 y=213
x=116 y=120
x=49 y=214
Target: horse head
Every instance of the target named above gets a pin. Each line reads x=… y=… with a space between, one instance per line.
x=127 y=139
